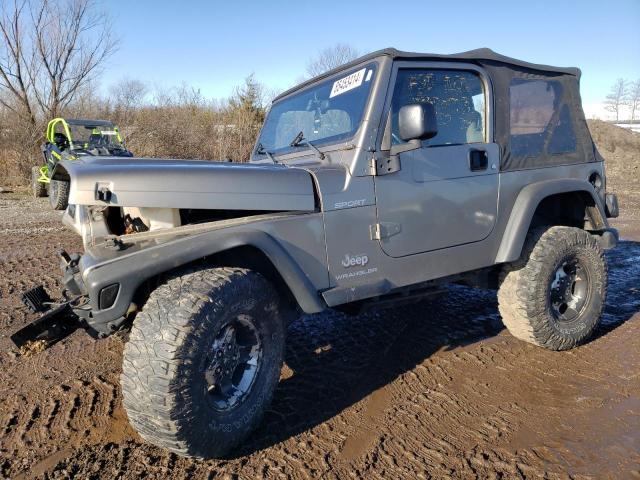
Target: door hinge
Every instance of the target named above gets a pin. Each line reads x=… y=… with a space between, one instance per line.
x=384 y=164
x=384 y=230
x=373 y=170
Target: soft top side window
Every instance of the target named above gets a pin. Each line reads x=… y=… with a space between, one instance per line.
x=540 y=121
x=458 y=98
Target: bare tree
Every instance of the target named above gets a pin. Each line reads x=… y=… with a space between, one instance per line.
x=126 y=99
x=633 y=99
x=129 y=93
x=50 y=50
x=616 y=98
x=330 y=58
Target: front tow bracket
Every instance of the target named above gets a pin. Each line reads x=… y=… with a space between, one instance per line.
x=57 y=321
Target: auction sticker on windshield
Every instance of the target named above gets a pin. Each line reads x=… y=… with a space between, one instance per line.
x=347 y=83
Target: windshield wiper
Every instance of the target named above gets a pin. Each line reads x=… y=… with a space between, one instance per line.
x=300 y=141
x=261 y=151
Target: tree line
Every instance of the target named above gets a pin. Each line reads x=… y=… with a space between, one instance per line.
x=51 y=55
x=624 y=94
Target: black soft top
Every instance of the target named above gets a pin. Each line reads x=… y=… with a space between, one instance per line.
x=479 y=55
x=518 y=151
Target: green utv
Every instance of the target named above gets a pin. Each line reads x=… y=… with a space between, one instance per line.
x=373 y=184
x=70 y=139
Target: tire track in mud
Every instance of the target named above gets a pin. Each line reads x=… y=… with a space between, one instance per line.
x=25 y=262
x=55 y=402
x=67 y=414
x=438 y=428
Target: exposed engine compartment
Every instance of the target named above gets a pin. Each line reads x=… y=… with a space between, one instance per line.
x=95 y=223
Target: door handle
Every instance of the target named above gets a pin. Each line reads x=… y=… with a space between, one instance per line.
x=478 y=160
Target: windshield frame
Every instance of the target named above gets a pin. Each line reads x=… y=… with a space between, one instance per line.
x=288 y=151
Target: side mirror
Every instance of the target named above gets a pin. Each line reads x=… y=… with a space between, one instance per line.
x=417 y=122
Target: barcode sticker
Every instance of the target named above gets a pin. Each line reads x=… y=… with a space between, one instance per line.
x=347 y=83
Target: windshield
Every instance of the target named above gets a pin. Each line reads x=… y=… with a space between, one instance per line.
x=88 y=137
x=327 y=112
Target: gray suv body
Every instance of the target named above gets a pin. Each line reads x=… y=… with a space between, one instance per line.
x=377 y=181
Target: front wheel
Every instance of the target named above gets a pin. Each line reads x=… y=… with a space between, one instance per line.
x=203 y=360
x=554 y=295
x=58 y=194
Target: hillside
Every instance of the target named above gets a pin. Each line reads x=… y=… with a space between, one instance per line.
x=621 y=150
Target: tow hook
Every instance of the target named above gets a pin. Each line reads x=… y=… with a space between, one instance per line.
x=68 y=259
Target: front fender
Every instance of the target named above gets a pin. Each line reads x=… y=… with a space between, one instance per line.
x=525 y=206
x=130 y=268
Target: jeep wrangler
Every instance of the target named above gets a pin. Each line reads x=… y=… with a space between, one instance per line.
x=375 y=182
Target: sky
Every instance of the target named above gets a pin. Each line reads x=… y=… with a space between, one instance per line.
x=213 y=45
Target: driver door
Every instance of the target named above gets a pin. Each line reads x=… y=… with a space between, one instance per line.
x=445 y=191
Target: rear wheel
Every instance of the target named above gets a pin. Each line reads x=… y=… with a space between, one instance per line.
x=554 y=295
x=58 y=194
x=203 y=360
x=38 y=189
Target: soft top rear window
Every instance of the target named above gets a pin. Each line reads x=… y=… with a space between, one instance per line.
x=540 y=120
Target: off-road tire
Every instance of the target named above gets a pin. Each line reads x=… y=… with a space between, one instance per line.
x=38 y=189
x=58 y=194
x=163 y=384
x=524 y=296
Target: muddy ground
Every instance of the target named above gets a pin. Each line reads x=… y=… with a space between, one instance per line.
x=435 y=389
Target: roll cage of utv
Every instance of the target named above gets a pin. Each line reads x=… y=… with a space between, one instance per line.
x=70 y=139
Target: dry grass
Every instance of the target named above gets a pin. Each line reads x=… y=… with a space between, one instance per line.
x=177 y=123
